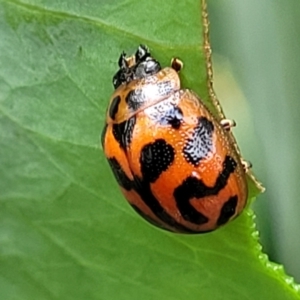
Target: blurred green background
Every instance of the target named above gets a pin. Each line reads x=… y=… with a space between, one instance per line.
x=256 y=48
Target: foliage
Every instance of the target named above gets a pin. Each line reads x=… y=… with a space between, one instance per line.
x=65 y=231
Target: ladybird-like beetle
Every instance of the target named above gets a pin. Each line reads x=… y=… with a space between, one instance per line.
x=174 y=161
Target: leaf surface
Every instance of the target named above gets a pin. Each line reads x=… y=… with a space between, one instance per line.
x=65 y=230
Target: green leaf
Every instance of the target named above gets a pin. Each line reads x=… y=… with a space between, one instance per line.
x=65 y=230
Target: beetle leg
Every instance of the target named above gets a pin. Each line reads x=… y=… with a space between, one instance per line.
x=176 y=64
x=246 y=165
x=227 y=124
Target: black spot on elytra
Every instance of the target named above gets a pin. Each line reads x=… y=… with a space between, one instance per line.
x=135 y=99
x=123 y=132
x=155 y=158
x=103 y=134
x=200 y=144
x=193 y=187
x=166 y=113
x=190 y=188
x=143 y=188
x=228 y=210
x=173 y=116
x=114 y=106
x=119 y=174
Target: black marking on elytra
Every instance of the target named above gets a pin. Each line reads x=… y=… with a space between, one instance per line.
x=114 y=106
x=193 y=187
x=174 y=117
x=228 y=210
x=155 y=158
x=200 y=144
x=166 y=113
x=190 y=188
x=103 y=134
x=135 y=99
x=120 y=175
x=123 y=132
x=142 y=187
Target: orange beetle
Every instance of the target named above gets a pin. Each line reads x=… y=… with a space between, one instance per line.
x=174 y=162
